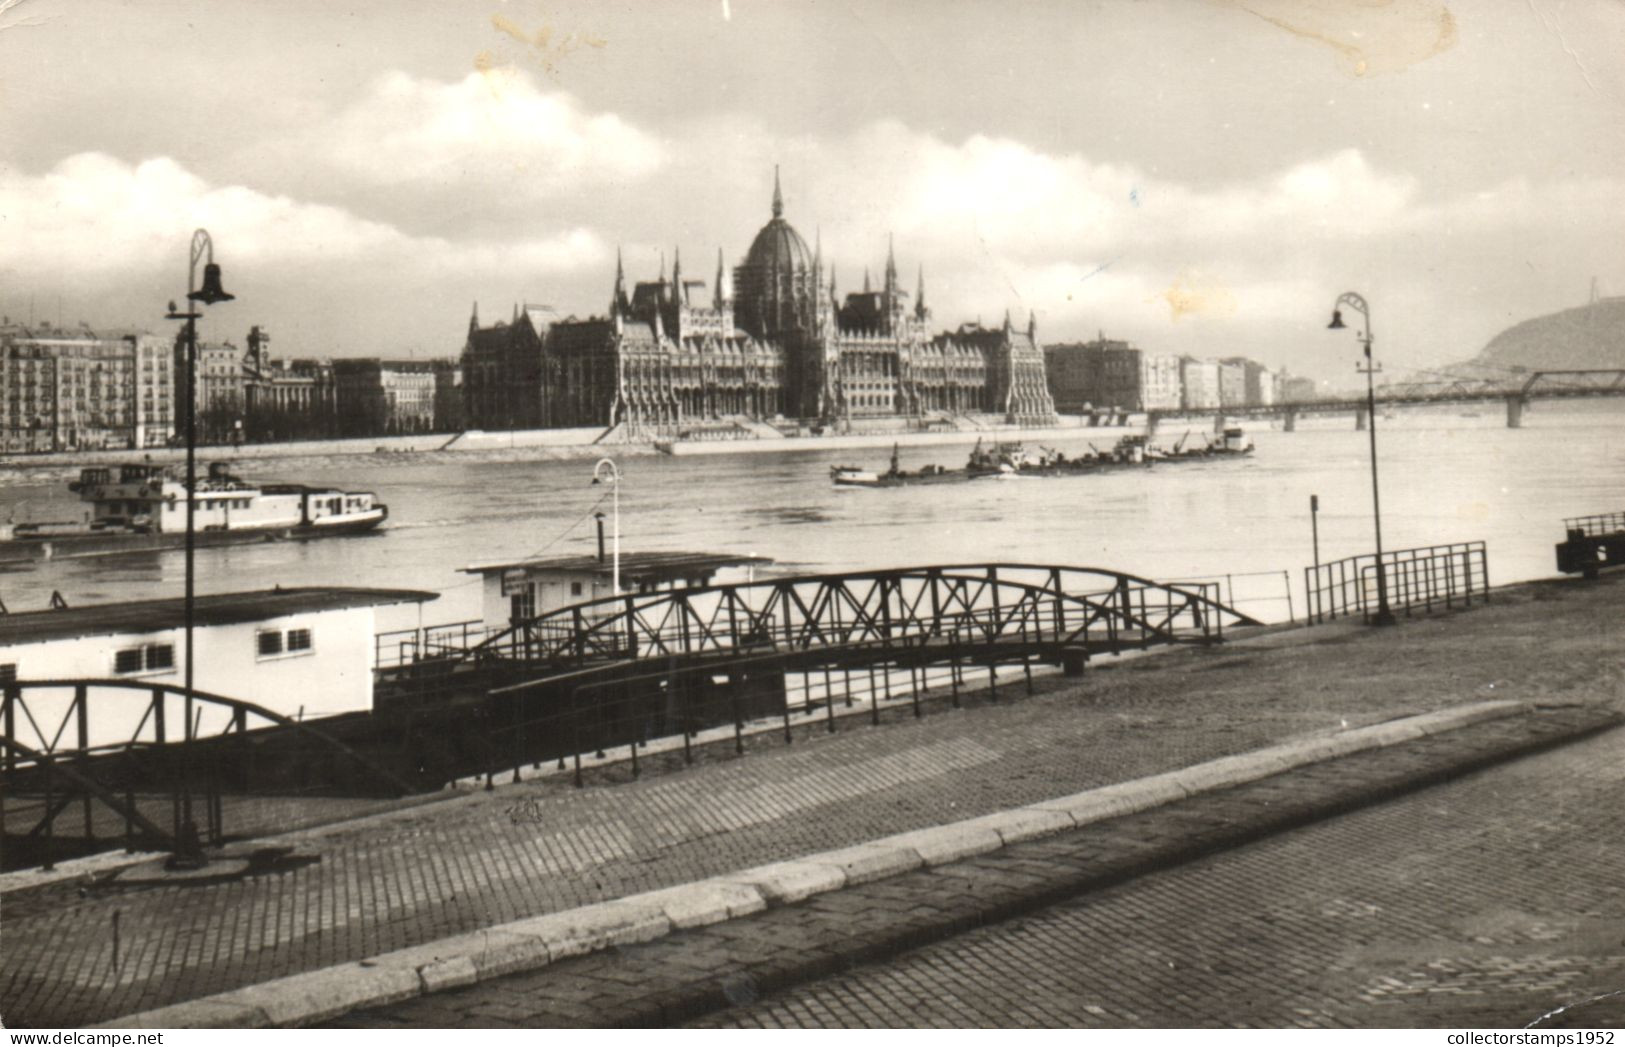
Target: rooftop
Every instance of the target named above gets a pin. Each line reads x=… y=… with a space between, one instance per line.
x=638 y=566
x=148 y=616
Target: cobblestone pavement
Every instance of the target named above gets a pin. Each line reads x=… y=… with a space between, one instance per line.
x=413 y=876
x=1486 y=903
x=1243 y=937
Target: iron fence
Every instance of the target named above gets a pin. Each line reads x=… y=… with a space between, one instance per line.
x=401 y=647
x=1266 y=595
x=1422 y=578
x=1595 y=526
x=86 y=763
x=566 y=716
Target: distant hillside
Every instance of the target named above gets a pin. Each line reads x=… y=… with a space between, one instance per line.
x=1591 y=336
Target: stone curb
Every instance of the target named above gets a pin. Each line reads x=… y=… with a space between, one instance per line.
x=316 y=996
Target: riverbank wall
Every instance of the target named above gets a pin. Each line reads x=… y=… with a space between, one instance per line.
x=538 y=443
x=837 y=441
x=593 y=442
x=583 y=441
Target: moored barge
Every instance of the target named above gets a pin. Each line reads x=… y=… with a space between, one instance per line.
x=1010 y=461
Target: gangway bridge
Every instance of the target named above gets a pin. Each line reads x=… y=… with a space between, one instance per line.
x=611 y=672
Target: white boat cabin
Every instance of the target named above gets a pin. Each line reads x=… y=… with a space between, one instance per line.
x=517 y=591
x=303 y=653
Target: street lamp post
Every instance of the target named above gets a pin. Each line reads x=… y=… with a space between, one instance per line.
x=606 y=471
x=188 y=844
x=1384 y=616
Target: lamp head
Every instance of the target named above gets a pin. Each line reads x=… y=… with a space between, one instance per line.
x=211 y=292
x=1337 y=321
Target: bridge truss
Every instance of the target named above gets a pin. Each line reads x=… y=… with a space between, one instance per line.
x=984 y=604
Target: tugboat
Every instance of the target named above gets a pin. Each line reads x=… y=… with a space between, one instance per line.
x=1001 y=461
x=142 y=508
x=1234 y=445
x=857 y=476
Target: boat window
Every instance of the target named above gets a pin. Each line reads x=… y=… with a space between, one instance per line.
x=274 y=643
x=152 y=657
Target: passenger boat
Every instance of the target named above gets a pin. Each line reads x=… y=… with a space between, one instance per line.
x=140 y=508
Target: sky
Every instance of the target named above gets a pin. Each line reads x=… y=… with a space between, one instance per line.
x=1197 y=176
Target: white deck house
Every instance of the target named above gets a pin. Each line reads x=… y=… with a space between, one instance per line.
x=519 y=590
x=304 y=652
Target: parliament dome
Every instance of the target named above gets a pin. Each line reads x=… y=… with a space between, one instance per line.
x=778 y=245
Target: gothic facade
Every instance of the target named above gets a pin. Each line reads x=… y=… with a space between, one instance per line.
x=770 y=340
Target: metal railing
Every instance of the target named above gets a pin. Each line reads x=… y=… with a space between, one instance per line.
x=564 y=717
x=1595 y=526
x=1266 y=595
x=126 y=753
x=454 y=713
x=398 y=647
x=1423 y=578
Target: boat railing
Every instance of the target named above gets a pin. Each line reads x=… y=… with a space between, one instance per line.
x=225 y=485
x=1595 y=526
x=401 y=647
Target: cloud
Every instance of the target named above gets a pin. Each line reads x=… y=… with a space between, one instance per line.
x=95 y=216
x=1028 y=204
x=494 y=135
x=98 y=230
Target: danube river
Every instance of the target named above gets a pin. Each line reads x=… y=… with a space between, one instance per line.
x=1448 y=474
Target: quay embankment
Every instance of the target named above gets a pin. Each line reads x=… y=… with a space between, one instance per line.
x=576 y=444
x=323 y=900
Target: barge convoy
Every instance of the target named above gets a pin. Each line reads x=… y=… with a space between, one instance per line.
x=1013 y=461
x=142 y=508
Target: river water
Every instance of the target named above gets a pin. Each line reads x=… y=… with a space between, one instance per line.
x=1447 y=475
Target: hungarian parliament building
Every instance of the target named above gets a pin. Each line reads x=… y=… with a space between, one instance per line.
x=775 y=344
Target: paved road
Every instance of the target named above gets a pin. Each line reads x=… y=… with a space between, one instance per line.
x=1486 y=902
x=697 y=972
